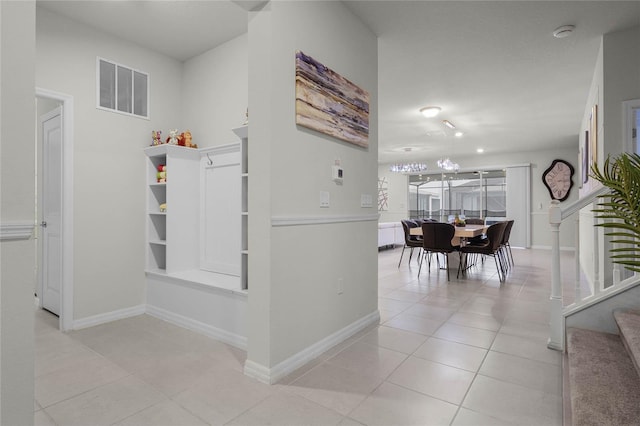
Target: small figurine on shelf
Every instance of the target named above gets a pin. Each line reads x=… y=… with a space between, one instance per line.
x=173 y=137
x=186 y=139
x=161 y=176
x=163 y=208
x=246 y=121
x=157 y=137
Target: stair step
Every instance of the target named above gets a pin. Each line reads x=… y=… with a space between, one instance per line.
x=605 y=389
x=629 y=324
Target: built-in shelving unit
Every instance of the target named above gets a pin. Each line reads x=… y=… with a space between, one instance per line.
x=243 y=134
x=197 y=254
x=170 y=234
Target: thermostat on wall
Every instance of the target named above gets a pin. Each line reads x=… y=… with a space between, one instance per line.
x=337 y=174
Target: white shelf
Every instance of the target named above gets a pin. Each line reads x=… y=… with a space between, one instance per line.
x=242 y=132
x=158 y=213
x=158 y=184
x=211 y=280
x=158 y=242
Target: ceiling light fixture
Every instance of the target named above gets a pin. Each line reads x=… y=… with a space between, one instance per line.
x=446 y=164
x=430 y=111
x=564 y=31
x=458 y=134
x=408 y=167
x=448 y=124
x=480 y=150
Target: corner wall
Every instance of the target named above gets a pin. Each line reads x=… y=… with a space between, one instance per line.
x=109 y=167
x=17 y=189
x=215 y=92
x=295 y=267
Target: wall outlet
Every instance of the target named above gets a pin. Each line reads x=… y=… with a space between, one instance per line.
x=366 y=201
x=324 y=199
x=340 y=286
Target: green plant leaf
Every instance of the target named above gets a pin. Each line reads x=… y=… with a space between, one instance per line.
x=620 y=208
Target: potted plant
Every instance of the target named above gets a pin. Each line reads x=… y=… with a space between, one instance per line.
x=620 y=208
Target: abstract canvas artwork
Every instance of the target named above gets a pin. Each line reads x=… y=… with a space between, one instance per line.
x=329 y=103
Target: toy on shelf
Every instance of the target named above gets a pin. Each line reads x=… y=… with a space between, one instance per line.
x=156 y=136
x=186 y=139
x=161 y=175
x=163 y=208
x=173 y=137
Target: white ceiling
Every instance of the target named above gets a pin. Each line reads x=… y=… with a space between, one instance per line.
x=494 y=67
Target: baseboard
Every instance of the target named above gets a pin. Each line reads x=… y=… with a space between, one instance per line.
x=289 y=365
x=108 y=317
x=549 y=248
x=199 y=327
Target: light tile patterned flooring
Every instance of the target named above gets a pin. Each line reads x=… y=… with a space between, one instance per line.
x=465 y=352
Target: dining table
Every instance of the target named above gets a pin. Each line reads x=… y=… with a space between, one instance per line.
x=461 y=235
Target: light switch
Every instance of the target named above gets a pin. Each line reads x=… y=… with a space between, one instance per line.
x=324 y=199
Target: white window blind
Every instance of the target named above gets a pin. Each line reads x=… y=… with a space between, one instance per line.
x=122 y=89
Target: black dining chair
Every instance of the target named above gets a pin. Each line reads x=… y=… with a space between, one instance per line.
x=410 y=241
x=436 y=238
x=506 y=247
x=490 y=248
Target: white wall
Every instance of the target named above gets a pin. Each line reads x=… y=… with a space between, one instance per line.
x=215 y=92
x=540 y=199
x=294 y=270
x=109 y=172
x=17 y=183
x=616 y=79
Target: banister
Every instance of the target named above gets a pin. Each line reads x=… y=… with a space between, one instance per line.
x=583 y=202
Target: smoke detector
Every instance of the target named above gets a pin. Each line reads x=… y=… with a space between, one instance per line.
x=564 y=31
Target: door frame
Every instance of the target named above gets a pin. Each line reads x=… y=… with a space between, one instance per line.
x=66 y=231
x=628 y=110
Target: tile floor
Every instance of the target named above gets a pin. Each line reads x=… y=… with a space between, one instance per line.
x=465 y=352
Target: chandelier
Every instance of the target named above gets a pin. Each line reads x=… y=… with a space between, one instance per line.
x=408 y=167
x=448 y=165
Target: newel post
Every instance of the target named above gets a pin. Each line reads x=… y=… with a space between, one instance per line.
x=556 y=339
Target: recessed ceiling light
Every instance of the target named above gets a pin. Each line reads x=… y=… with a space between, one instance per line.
x=563 y=31
x=448 y=124
x=458 y=134
x=480 y=150
x=430 y=111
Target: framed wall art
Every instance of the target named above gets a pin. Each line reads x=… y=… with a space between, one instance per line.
x=586 y=159
x=593 y=135
x=329 y=103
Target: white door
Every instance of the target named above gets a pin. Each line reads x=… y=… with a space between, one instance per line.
x=51 y=211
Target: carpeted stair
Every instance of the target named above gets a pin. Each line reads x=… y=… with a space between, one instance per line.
x=604 y=379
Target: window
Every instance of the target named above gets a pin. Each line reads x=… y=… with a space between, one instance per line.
x=472 y=194
x=122 y=89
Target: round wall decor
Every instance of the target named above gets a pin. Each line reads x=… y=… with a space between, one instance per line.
x=558 y=179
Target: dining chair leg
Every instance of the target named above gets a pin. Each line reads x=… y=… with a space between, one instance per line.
x=499 y=268
x=447 y=265
x=402 y=254
x=510 y=253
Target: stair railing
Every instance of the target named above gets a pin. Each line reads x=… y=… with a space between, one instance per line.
x=557 y=216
